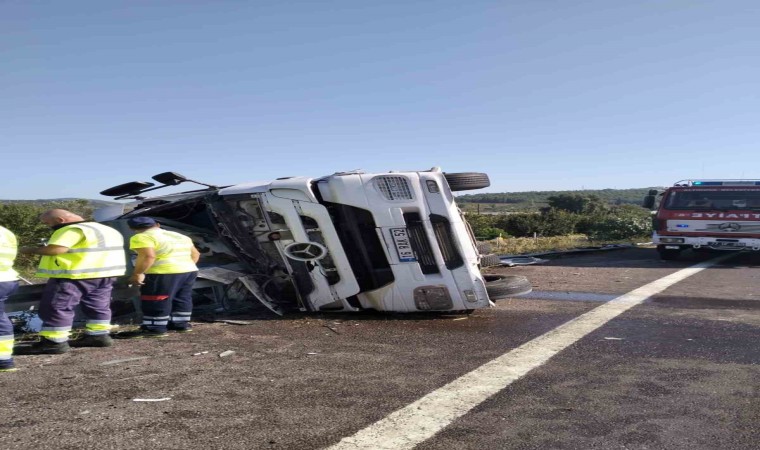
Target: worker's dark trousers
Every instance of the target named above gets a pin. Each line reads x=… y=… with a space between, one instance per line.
x=62 y=295
x=6 y=327
x=167 y=299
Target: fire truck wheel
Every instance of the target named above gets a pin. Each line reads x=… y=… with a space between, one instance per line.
x=504 y=286
x=490 y=260
x=465 y=181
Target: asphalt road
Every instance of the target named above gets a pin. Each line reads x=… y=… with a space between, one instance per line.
x=680 y=370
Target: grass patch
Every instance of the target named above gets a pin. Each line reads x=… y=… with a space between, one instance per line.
x=520 y=246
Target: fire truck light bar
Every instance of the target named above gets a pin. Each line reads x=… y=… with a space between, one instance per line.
x=699 y=183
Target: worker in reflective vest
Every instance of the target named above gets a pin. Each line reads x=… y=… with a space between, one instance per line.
x=82 y=261
x=165 y=270
x=8 y=285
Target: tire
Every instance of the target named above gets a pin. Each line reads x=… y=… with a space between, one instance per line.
x=465 y=181
x=504 y=286
x=490 y=260
x=668 y=254
x=484 y=248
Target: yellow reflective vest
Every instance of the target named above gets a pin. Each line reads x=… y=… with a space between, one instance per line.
x=99 y=255
x=173 y=250
x=8 y=248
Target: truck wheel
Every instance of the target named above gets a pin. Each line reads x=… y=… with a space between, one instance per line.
x=465 y=181
x=668 y=254
x=490 y=260
x=504 y=286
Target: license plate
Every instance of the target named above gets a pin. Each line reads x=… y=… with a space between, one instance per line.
x=403 y=246
x=727 y=244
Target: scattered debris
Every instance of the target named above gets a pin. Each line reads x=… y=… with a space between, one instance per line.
x=226 y=353
x=331 y=328
x=26 y=321
x=201 y=353
x=235 y=322
x=522 y=261
x=460 y=318
x=312 y=353
x=119 y=361
x=151 y=399
x=613 y=339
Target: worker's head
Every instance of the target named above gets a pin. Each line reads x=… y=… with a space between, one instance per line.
x=57 y=217
x=140 y=224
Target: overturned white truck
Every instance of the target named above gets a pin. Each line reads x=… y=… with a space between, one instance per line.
x=349 y=241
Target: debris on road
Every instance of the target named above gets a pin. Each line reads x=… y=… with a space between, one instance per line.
x=226 y=353
x=119 y=361
x=522 y=261
x=613 y=339
x=331 y=329
x=151 y=399
x=201 y=353
x=235 y=322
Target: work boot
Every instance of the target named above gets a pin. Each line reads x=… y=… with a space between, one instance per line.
x=93 y=340
x=43 y=347
x=7 y=365
x=180 y=329
x=142 y=333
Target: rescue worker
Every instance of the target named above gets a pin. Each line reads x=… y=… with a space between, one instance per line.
x=82 y=260
x=8 y=285
x=165 y=270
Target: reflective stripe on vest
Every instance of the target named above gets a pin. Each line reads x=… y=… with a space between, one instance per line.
x=99 y=255
x=8 y=247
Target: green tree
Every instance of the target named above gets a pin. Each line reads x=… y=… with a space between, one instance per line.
x=577 y=203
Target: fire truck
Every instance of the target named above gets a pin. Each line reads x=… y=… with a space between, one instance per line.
x=706 y=215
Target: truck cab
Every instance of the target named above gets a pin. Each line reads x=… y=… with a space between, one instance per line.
x=349 y=241
x=706 y=214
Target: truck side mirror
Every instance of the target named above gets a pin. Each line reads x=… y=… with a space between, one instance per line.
x=649 y=202
x=170 y=178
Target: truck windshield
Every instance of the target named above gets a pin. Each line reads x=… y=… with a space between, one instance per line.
x=723 y=199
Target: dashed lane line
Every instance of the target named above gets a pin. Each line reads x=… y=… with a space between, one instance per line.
x=421 y=420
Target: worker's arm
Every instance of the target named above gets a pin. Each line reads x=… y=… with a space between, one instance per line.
x=195 y=254
x=48 y=250
x=146 y=256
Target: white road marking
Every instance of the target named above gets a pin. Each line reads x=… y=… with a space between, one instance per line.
x=421 y=420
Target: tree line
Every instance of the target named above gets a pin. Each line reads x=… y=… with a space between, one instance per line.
x=568 y=214
x=536 y=200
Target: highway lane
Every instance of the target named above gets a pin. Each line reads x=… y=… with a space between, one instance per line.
x=677 y=371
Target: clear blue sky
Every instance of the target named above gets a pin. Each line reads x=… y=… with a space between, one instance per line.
x=540 y=94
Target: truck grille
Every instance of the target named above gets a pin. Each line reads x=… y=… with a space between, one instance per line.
x=445 y=239
x=420 y=244
x=394 y=187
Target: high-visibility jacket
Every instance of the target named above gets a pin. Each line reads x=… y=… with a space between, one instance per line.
x=100 y=254
x=173 y=250
x=8 y=248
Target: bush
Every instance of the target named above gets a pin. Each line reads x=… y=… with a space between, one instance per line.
x=617 y=228
x=487 y=233
x=522 y=225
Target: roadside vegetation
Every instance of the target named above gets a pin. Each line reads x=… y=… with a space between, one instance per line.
x=506 y=202
x=568 y=221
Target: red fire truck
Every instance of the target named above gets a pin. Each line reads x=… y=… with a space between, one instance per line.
x=706 y=214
